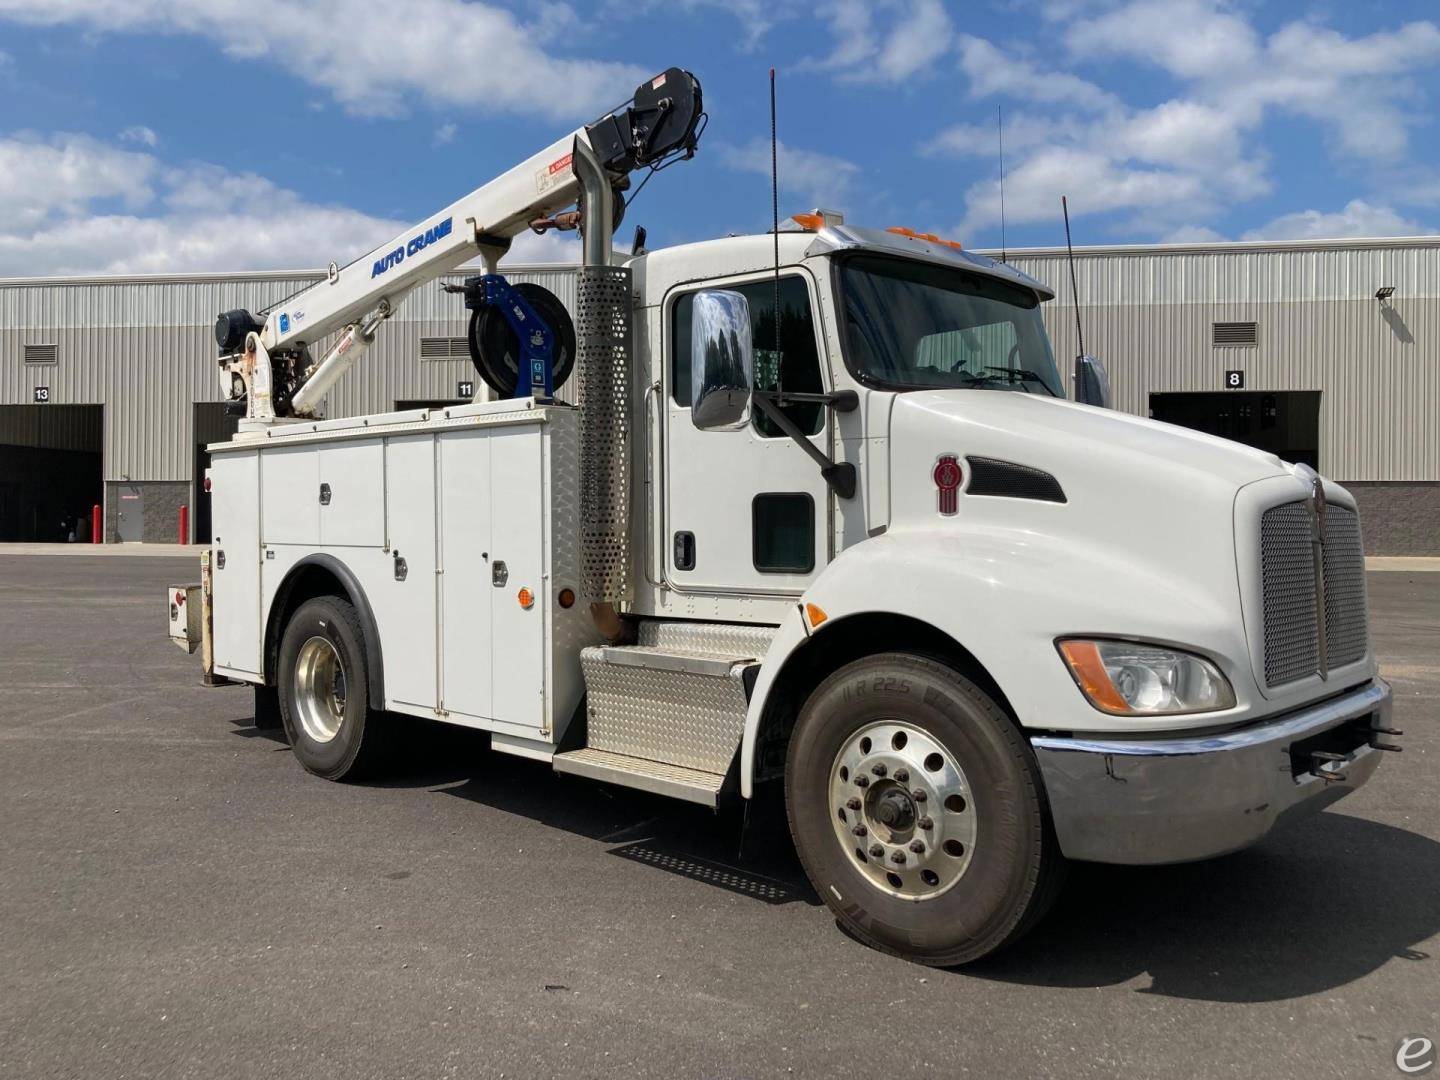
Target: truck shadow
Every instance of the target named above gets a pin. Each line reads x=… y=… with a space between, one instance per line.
x=1323 y=903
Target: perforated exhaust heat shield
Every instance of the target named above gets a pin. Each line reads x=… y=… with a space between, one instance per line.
x=603 y=332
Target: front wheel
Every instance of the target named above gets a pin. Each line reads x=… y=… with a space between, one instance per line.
x=917 y=811
x=324 y=701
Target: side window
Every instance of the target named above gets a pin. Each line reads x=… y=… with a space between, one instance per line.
x=796 y=368
x=782 y=529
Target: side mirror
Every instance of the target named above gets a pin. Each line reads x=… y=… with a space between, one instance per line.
x=1092 y=382
x=722 y=361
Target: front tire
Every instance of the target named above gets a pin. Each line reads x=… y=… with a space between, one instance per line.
x=918 y=813
x=323 y=691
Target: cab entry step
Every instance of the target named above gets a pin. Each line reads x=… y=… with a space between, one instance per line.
x=667 y=713
x=676 y=781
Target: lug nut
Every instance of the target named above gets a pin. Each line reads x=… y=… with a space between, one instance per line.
x=852 y=803
x=862 y=780
x=925 y=823
x=878 y=768
x=902 y=776
x=919 y=795
x=917 y=846
x=876 y=851
x=859 y=830
x=897 y=857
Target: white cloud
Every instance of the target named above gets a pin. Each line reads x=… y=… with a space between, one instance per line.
x=445 y=134
x=139 y=133
x=450 y=52
x=1356 y=218
x=993 y=72
x=1171 y=168
x=72 y=204
x=817 y=179
x=1353 y=87
x=915 y=35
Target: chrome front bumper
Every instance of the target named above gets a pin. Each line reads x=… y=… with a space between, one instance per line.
x=1179 y=799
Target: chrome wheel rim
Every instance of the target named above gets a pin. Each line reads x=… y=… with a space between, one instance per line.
x=902 y=810
x=319 y=689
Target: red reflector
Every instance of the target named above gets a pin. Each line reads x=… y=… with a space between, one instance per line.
x=207 y=483
x=179 y=597
x=947 y=482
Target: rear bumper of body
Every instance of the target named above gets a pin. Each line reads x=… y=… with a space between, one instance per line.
x=1144 y=801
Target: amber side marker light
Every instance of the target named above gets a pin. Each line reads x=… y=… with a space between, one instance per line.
x=815 y=614
x=526 y=598
x=1089 y=671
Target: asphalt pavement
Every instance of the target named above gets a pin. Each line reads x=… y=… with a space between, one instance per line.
x=179 y=899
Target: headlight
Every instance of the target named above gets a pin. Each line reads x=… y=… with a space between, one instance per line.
x=1125 y=678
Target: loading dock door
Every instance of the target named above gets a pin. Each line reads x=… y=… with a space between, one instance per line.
x=1283 y=422
x=51 y=471
x=212 y=424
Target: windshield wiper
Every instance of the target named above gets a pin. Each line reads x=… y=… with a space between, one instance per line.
x=1017 y=375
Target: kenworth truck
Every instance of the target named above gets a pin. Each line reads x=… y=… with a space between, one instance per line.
x=822 y=518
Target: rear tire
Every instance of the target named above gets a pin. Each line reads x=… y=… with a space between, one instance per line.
x=918 y=812
x=324 y=692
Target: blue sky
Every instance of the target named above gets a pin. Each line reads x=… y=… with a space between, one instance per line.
x=177 y=135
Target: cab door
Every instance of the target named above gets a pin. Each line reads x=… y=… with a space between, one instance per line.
x=746 y=511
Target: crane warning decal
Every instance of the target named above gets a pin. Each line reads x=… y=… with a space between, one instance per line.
x=417 y=244
x=554 y=173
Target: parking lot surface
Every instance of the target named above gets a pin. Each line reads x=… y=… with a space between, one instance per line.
x=179 y=899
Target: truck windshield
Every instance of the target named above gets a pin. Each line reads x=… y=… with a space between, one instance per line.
x=912 y=325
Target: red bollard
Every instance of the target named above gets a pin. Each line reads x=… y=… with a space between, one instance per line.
x=97 y=526
x=184 y=524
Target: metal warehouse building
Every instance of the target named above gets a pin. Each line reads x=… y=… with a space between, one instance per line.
x=1326 y=352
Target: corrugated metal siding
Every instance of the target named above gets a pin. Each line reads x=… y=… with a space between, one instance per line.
x=144 y=348
x=1149 y=317
x=145 y=351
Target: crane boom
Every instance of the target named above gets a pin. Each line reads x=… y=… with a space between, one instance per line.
x=268 y=363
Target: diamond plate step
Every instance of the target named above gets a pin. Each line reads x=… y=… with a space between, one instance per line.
x=676 y=781
x=677 y=708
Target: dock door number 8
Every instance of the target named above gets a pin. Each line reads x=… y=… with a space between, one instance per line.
x=1234 y=380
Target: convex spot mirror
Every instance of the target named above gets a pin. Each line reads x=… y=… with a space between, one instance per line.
x=722 y=360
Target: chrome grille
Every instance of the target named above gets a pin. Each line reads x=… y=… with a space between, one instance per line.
x=1345 y=614
x=1287 y=576
x=1293 y=600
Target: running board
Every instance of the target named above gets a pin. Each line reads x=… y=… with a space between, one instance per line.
x=676 y=781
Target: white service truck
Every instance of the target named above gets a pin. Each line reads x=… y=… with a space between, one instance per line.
x=824 y=518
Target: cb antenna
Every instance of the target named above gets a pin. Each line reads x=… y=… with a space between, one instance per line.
x=1000 y=130
x=775 y=216
x=1074 y=290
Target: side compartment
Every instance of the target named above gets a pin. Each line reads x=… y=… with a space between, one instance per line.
x=405 y=602
x=235 y=559
x=465 y=571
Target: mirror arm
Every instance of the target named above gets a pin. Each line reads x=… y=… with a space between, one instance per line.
x=839 y=475
x=840 y=400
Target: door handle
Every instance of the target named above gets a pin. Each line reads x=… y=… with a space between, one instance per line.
x=499 y=574
x=684 y=551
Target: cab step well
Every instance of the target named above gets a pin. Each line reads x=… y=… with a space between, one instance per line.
x=666 y=714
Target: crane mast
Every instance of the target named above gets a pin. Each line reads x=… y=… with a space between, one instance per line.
x=268 y=362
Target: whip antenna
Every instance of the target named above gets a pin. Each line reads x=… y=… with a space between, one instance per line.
x=775 y=216
x=1074 y=290
x=1000 y=130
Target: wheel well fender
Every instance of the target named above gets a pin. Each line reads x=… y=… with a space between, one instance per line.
x=806 y=659
x=324 y=575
